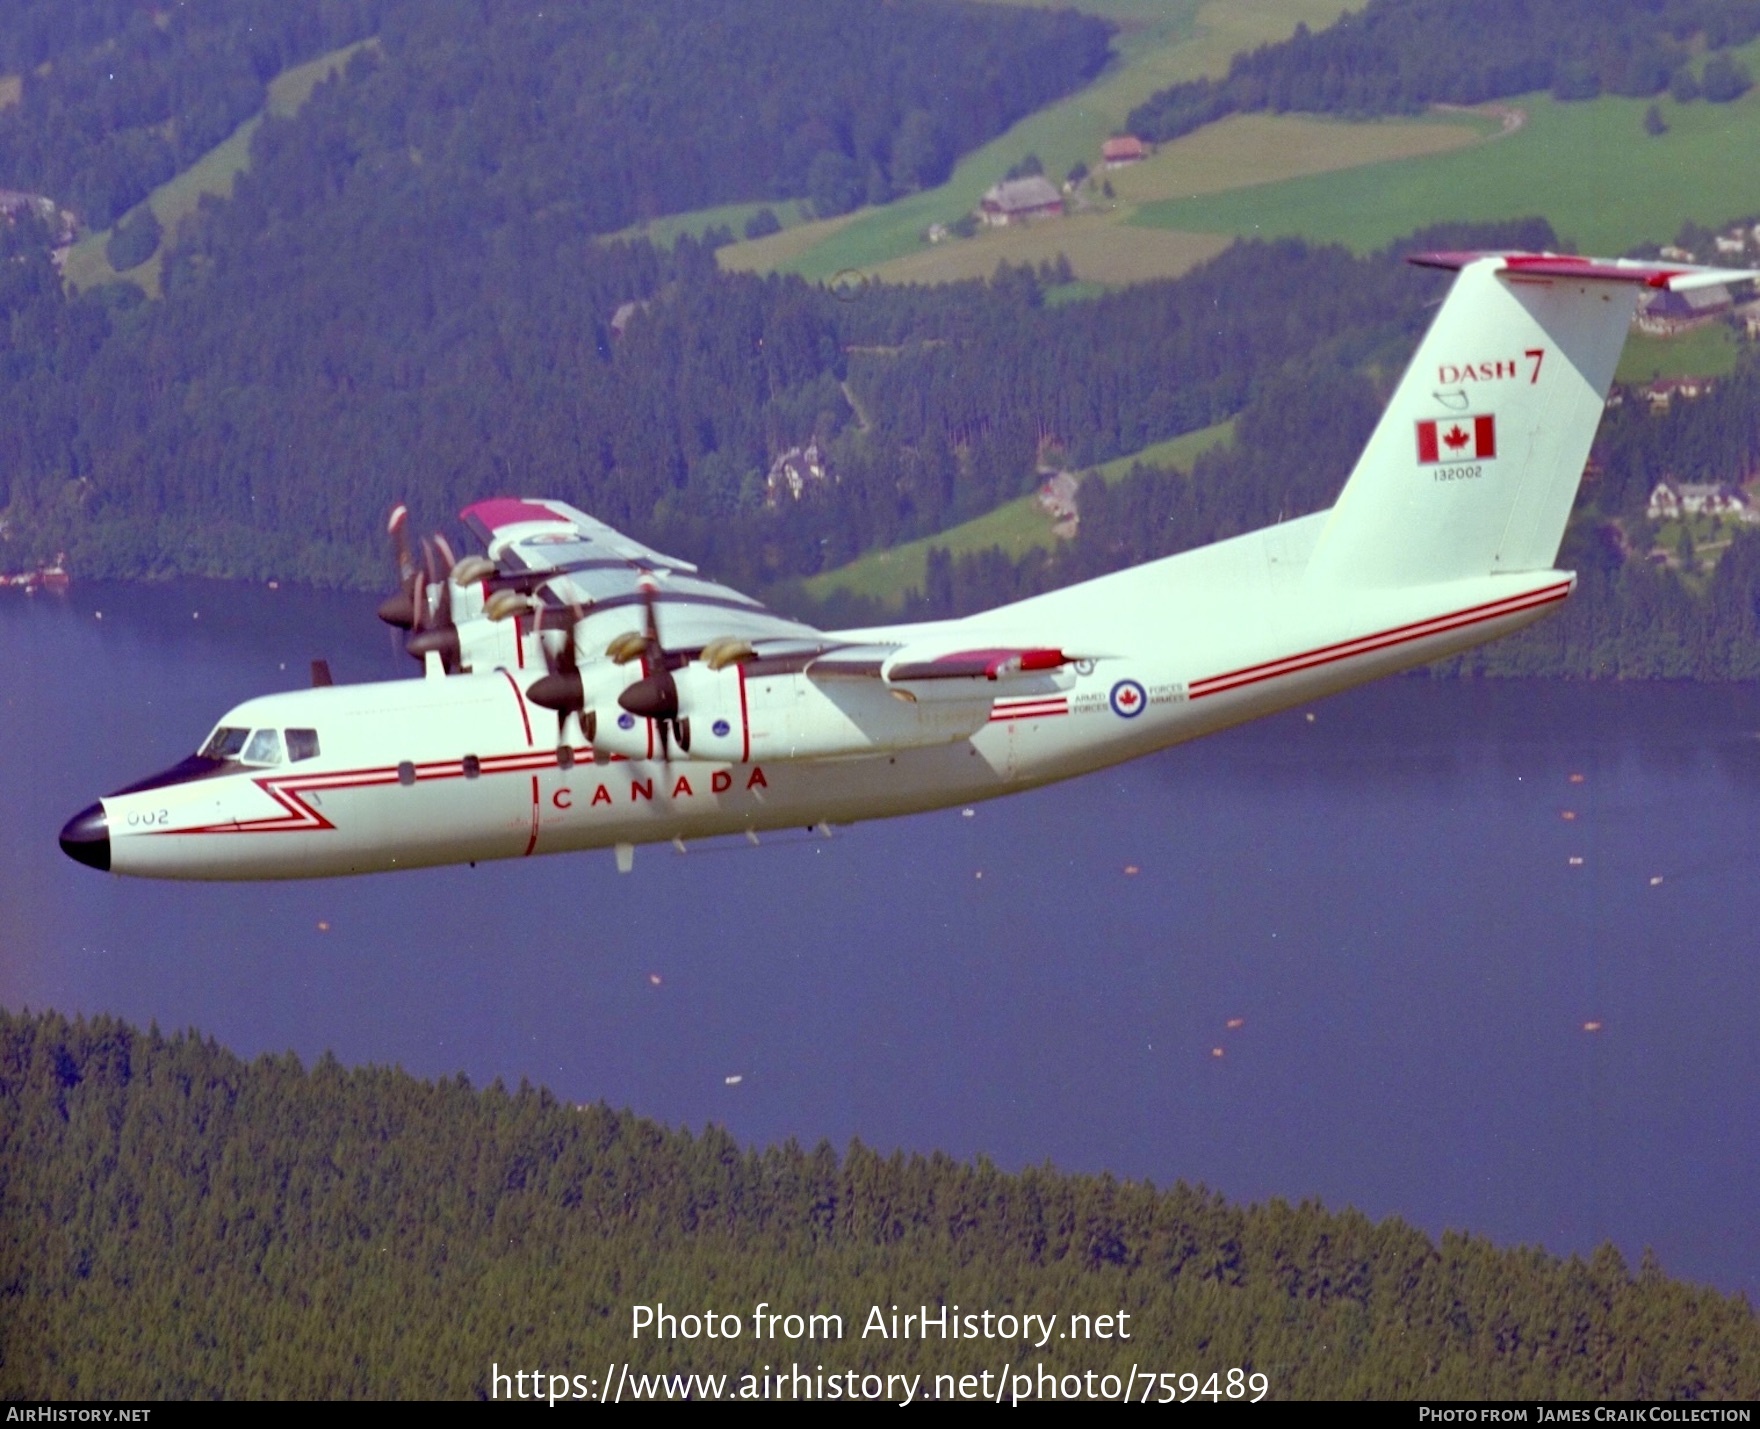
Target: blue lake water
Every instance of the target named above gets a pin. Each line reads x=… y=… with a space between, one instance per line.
x=1382 y=895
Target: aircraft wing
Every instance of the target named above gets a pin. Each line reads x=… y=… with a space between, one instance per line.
x=566 y=559
x=534 y=534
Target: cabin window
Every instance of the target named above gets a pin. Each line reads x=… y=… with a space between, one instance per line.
x=301 y=744
x=225 y=743
x=564 y=757
x=406 y=773
x=472 y=766
x=264 y=748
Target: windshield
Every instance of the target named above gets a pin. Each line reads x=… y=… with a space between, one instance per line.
x=225 y=743
x=264 y=748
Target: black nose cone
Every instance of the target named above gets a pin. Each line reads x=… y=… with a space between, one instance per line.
x=86 y=838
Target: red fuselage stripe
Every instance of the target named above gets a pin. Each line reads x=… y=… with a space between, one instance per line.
x=524 y=718
x=1368 y=644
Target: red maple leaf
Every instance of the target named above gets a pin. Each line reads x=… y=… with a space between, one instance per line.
x=1456 y=438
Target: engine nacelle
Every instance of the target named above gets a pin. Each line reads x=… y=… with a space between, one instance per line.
x=739 y=718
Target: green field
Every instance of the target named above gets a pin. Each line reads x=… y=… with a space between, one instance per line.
x=1073 y=293
x=1588 y=167
x=1708 y=351
x=1160 y=43
x=664 y=232
x=1017 y=527
x=178 y=197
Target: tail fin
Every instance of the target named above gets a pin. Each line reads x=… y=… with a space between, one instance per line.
x=1474 y=465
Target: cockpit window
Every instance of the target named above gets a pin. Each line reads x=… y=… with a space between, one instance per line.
x=301 y=744
x=225 y=743
x=264 y=748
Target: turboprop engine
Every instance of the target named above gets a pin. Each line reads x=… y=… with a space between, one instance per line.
x=729 y=701
x=730 y=707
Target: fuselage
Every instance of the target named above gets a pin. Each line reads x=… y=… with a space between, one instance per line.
x=463 y=768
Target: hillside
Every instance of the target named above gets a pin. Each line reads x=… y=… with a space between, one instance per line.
x=111 y=99
x=410 y=296
x=1588 y=167
x=88 y=264
x=1158 y=42
x=181 y=1224
x=581 y=107
x=1398 y=56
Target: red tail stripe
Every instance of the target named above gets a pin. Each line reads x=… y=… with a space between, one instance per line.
x=1363 y=645
x=1416 y=625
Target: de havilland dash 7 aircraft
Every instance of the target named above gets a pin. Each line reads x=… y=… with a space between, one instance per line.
x=582 y=691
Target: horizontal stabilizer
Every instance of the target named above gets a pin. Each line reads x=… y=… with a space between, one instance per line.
x=1676 y=277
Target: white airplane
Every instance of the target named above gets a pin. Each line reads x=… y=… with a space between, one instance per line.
x=583 y=691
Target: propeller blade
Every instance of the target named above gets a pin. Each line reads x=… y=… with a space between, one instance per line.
x=399 y=608
x=649 y=591
x=431 y=566
x=398 y=527
x=321 y=674
x=433 y=630
x=562 y=690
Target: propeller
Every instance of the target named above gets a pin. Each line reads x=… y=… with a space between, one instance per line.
x=655 y=695
x=432 y=628
x=399 y=608
x=561 y=690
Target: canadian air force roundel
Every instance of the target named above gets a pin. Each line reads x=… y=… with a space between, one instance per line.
x=1128 y=699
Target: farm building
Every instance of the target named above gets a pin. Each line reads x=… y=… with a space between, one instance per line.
x=1018 y=200
x=624 y=316
x=1674 y=312
x=792 y=473
x=1669 y=502
x=1662 y=392
x=1123 y=149
x=1057 y=499
x=14 y=205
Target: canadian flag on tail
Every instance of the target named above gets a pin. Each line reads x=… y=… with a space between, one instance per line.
x=1457 y=439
